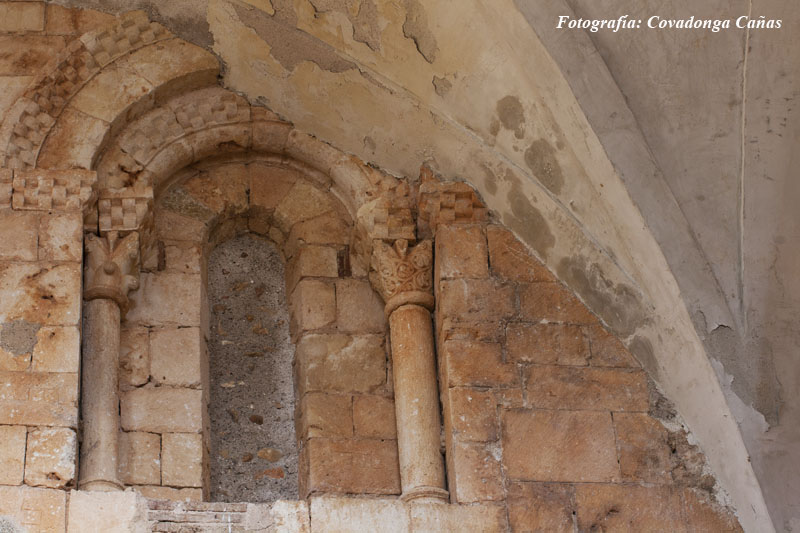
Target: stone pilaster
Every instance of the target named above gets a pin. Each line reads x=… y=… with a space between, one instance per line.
x=112 y=270
x=404 y=278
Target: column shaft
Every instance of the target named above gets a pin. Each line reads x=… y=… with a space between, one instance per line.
x=417 y=404
x=99 y=397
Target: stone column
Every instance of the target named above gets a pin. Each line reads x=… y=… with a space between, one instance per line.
x=112 y=269
x=404 y=278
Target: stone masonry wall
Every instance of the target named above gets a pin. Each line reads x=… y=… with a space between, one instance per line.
x=547 y=414
x=41 y=247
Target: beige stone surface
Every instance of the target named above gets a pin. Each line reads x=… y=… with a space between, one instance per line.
x=270 y=184
x=183 y=257
x=311 y=261
x=19 y=235
x=477 y=476
x=541 y=507
x=325 y=415
x=431 y=518
x=475 y=300
x=167 y=299
x=173 y=226
x=344 y=515
x=35 y=509
x=554 y=387
x=312 y=306
x=472 y=414
x=162 y=410
x=134 y=356
x=58 y=349
x=644 y=450
x=39 y=399
x=289 y=516
x=21 y=16
x=473 y=363
x=374 y=417
x=363 y=466
x=112 y=512
x=73 y=140
x=110 y=92
x=25 y=55
x=559 y=446
x=61 y=237
x=607 y=350
x=552 y=302
x=461 y=252
x=340 y=363
x=14 y=85
x=159 y=492
x=359 y=309
x=139 y=458
x=324 y=229
x=182 y=459
x=510 y=259
x=302 y=202
x=547 y=344
x=703 y=514
x=43 y=293
x=628 y=508
x=176 y=356
x=12 y=454
x=51 y=457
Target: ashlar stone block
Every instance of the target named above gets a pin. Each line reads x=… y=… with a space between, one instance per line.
x=12 y=454
x=35 y=509
x=176 y=356
x=162 y=410
x=568 y=446
x=312 y=306
x=139 y=458
x=461 y=252
x=50 y=457
x=182 y=459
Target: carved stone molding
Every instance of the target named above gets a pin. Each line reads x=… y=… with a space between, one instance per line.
x=403 y=274
x=447 y=202
x=53 y=190
x=112 y=267
x=6 y=176
x=34 y=115
x=125 y=209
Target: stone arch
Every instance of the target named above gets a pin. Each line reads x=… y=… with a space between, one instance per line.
x=138 y=61
x=336 y=319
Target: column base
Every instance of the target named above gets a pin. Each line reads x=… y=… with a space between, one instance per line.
x=101 y=485
x=426 y=495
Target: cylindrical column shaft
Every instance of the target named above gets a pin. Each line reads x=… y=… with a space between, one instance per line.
x=417 y=404
x=99 y=397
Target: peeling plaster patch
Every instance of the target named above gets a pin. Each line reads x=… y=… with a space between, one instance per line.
x=441 y=85
x=512 y=116
x=528 y=222
x=288 y=45
x=364 y=19
x=751 y=420
x=186 y=19
x=642 y=350
x=18 y=337
x=751 y=361
x=619 y=305
x=541 y=159
x=416 y=28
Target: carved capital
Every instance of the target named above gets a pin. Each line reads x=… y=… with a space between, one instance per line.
x=403 y=274
x=112 y=267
